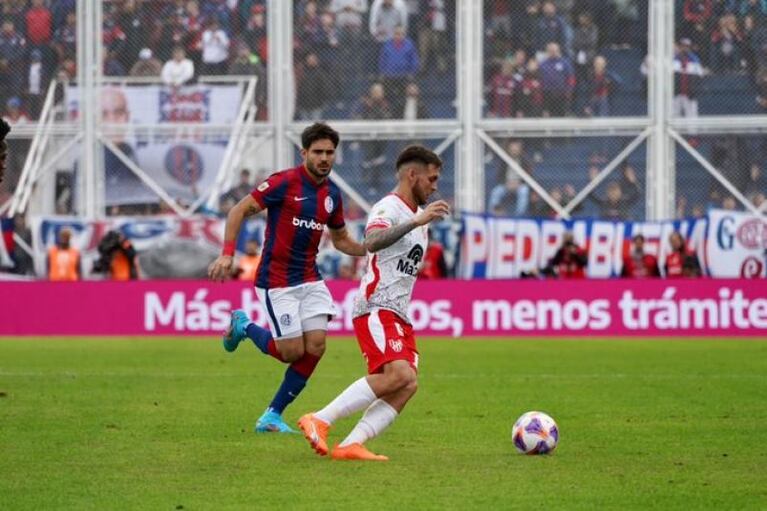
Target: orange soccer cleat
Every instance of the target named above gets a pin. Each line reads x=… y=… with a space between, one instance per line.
x=356 y=452
x=316 y=432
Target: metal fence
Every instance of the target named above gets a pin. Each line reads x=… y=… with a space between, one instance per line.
x=597 y=177
x=374 y=60
x=152 y=111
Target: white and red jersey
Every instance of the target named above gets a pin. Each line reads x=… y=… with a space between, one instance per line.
x=391 y=272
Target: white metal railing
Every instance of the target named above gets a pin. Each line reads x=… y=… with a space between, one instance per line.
x=245 y=117
x=35 y=154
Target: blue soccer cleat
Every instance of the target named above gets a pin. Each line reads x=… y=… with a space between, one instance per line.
x=271 y=422
x=237 y=330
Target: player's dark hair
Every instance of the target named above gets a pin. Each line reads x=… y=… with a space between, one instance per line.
x=5 y=128
x=418 y=154
x=318 y=131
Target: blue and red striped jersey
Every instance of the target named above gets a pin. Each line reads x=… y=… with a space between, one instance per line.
x=297 y=211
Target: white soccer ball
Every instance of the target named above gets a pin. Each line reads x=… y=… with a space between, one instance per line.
x=535 y=433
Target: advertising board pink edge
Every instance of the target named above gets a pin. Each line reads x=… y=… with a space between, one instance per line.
x=451 y=308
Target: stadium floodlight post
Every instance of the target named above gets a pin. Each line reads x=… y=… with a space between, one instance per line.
x=527 y=178
x=37 y=146
x=469 y=180
x=89 y=48
x=280 y=71
x=714 y=172
x=607 y=170
x=661 y=161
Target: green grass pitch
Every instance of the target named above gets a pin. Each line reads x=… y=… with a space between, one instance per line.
x=167 y=424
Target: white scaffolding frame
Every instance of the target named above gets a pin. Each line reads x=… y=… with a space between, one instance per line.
x=469 y=133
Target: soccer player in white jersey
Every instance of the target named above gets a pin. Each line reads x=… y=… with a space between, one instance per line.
x=396 y=236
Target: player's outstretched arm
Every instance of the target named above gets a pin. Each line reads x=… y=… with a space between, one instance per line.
x=343 y=241
x=223 y=267
x=383 y=238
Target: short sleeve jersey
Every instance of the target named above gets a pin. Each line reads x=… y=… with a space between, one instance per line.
x=297 y=210
x=391 y=272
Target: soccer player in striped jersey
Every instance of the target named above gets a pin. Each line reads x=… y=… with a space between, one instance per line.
x=299 y=203
x=396 y=237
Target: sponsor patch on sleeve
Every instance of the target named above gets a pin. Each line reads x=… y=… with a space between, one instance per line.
x=263 y=186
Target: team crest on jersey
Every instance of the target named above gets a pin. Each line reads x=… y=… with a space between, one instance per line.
x=285 y=320
x=263 y=186
x=395 y=345
x=329 y=204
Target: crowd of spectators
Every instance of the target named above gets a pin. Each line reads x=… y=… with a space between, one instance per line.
x=172 y=40
x=353 y=45
x=725 y=35
x=615 y=198
x=546 y=56
x=719 y=37
x=563 y=168
x=739 y=159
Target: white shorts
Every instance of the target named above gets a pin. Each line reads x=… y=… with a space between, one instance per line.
x=289 y=308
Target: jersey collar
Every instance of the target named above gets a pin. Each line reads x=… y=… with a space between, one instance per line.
x=411 y=207
x=305 y=173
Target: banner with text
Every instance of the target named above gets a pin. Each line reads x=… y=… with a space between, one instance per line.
x=182 y=160
x=737 y=244
x=174 y=247
x=458 y=308
x=148 y=105
x=499 y=248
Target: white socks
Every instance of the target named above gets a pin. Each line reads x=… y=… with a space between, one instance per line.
x=356 y=397
x=378 y=416
x=376 y=419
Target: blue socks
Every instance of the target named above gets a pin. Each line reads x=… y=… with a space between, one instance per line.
x=295 y=380
x=260 y=337
x=296 y=375
x=291 y=387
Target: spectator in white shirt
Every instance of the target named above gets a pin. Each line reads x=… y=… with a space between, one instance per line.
x=36 y=83
x=215 y=49
x=414 y=105
x=179 y=70
x=385 y=16
x=349 y=14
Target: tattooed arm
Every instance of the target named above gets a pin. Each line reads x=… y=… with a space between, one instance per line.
x=383 y=238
